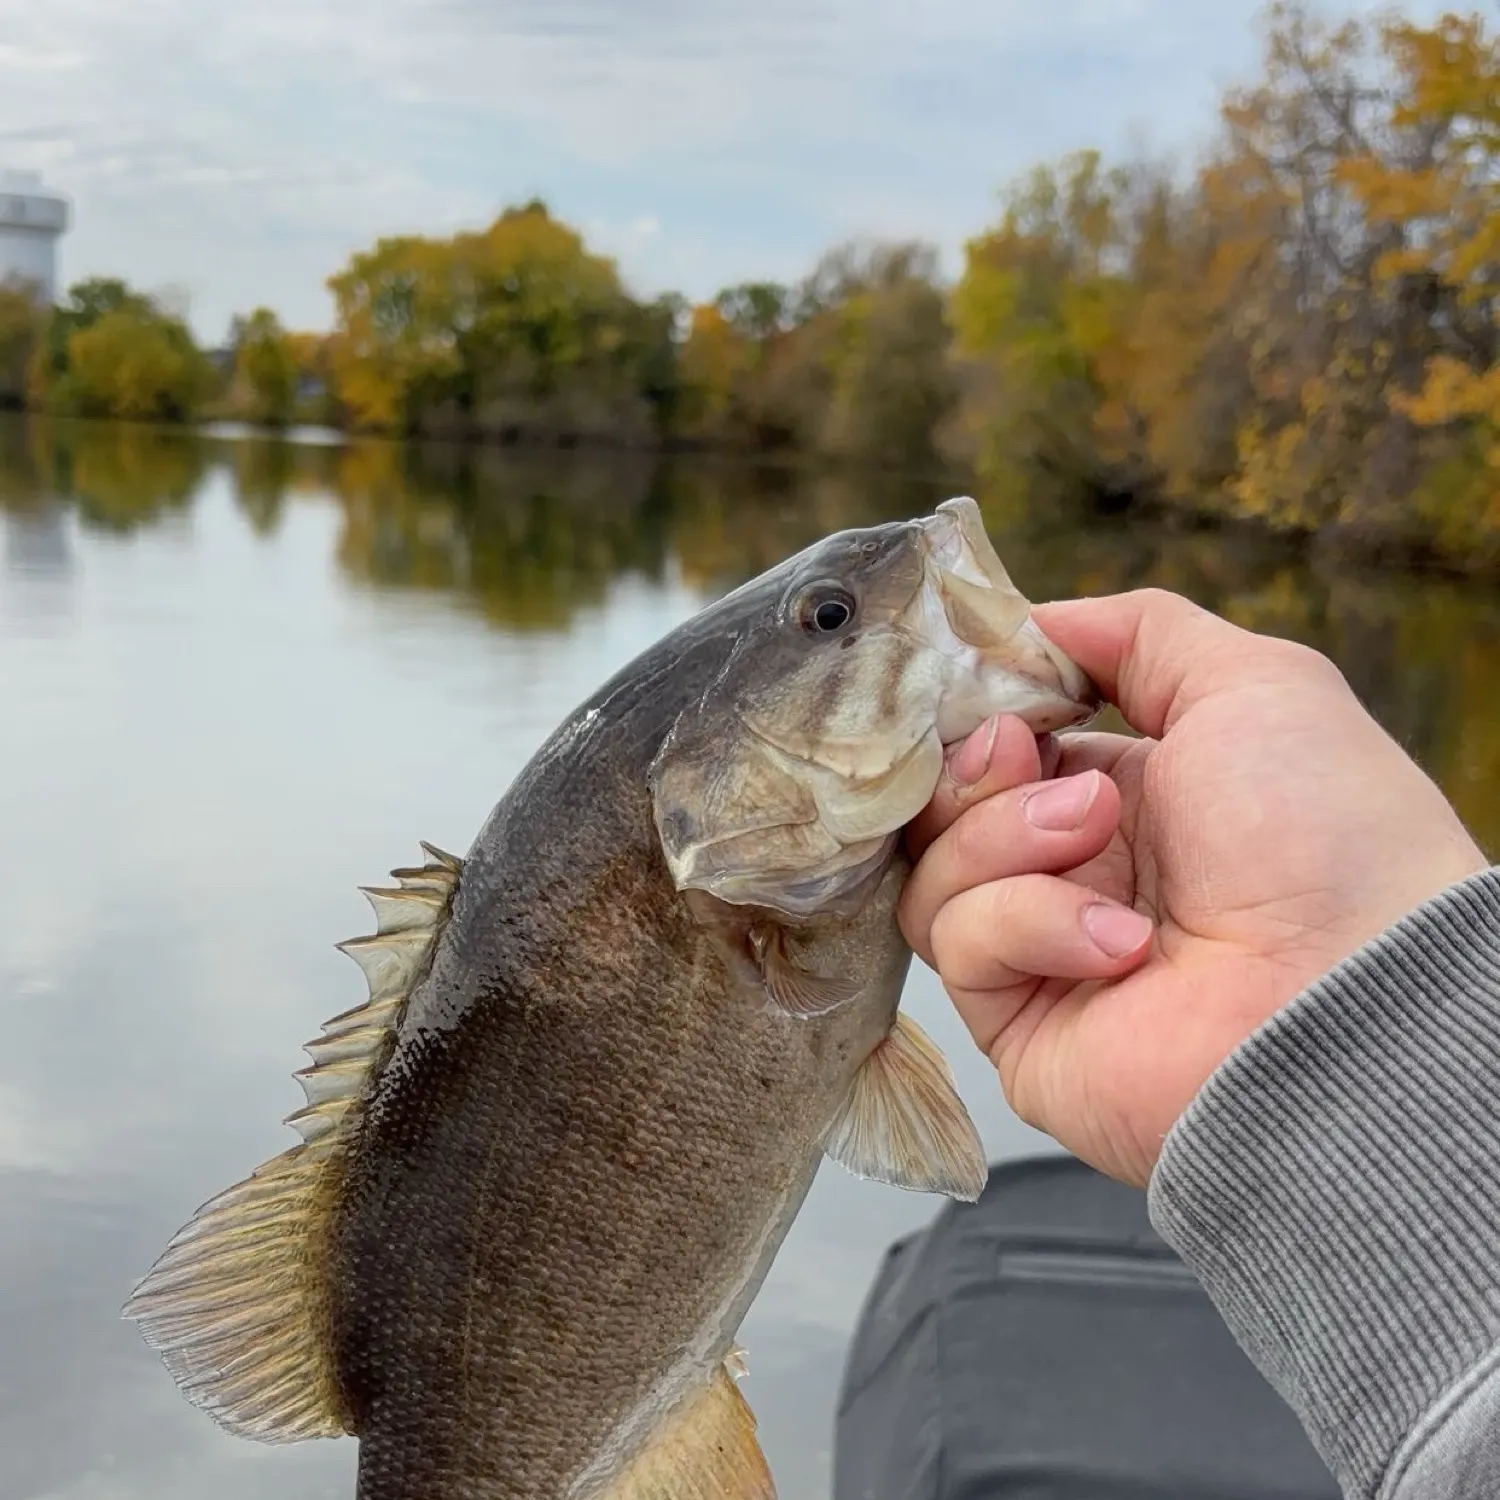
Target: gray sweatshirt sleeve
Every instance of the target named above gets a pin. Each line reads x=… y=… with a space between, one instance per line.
x=1336 y=1188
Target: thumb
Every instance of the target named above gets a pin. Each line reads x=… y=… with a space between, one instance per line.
x=1154 y=653
x=1002 y=753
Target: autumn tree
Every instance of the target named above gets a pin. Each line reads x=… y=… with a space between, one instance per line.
x=85 y=304
x=23 y=324
x=1440 y=265
x=518 y=327
x=849 y=363
x=386 y=342
x=1303 y=332
x=266 y=369
x=135 y=365
x=711 y=372
x=1039 y=312
x=110 y=351
x=890 y=383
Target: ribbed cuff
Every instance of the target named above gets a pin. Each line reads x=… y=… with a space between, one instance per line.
x=1336 y=1183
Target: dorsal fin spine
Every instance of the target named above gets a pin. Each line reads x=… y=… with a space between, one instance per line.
x=239 y=1305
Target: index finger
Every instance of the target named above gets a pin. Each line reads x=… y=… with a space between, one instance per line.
x=1155 y=653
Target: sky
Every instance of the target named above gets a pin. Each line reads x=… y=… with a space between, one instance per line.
x=236 y=155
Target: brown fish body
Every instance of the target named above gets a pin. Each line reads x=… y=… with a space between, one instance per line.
x=591 y=1139
x=546 y=1166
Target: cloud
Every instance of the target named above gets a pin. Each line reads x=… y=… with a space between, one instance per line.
x=244 y=157
x=22 y=59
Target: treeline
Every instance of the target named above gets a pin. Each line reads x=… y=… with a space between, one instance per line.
x=110 y=351
x=521 y=332
x=1304 y=333
x=1301 y=330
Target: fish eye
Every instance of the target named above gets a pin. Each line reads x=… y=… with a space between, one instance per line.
x=825 y=609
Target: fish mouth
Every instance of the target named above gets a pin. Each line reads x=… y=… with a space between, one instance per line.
x=969 y=611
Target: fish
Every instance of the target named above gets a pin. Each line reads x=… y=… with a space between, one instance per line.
x=546 y=1165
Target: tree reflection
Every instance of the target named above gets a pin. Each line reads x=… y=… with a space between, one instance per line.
x=530 y=540
x=116 y=477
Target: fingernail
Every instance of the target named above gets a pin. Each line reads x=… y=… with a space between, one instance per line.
x=973 y=757
x=1061 y=806
x=1116 y=930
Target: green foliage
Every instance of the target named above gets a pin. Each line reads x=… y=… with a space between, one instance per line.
x=112 y=352
x=23 y=325
x=266 y=370
x=1302 y=331
x=852 y=363
x=516 y=329
x=136 y=365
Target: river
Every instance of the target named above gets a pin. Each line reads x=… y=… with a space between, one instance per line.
x=240 y=677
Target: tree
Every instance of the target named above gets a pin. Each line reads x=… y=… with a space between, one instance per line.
x=1304 y=332
x=383 y=346
x=22 y=327
x=109 y=351
x=1042 y=307
x=134 y=364
x=891 y=385
x=266 y=369
x=515 y=326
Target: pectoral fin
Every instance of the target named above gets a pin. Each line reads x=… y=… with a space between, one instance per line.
x=706 y=1451
x=903 y=1122
x=799 y=992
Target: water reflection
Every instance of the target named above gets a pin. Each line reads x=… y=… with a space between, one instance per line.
x=277 y=656
x=531 y=540
x=35 y=540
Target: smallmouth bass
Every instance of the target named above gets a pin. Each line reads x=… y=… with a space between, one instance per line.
x=546 y=1167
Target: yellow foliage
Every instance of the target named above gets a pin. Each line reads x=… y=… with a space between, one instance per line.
x=1303 y=330
x=714 y=357
x=267 y=370
x=488 y=325
x=133 y=365
x=22 y=323
x=1306 y=333
x=380 y=345
x=1453 y=392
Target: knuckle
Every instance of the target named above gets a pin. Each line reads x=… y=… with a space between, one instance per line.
x=943 y=936
x=1020 y=1092
x=1167 y=607
x=1154 y=597
x=964 y=931
x=973 y=837
x=1296 y=657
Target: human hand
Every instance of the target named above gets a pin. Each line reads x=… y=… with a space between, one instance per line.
x=1112 y=934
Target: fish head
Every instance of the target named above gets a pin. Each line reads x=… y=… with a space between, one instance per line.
x=853 y=665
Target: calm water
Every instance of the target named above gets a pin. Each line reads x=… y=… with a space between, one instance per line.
x=240 y=678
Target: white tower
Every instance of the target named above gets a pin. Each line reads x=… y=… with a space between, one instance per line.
x=32 y=219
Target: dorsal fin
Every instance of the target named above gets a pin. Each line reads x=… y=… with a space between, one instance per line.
x=239 y=1305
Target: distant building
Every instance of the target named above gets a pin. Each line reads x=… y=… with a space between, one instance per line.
x=32 y=220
